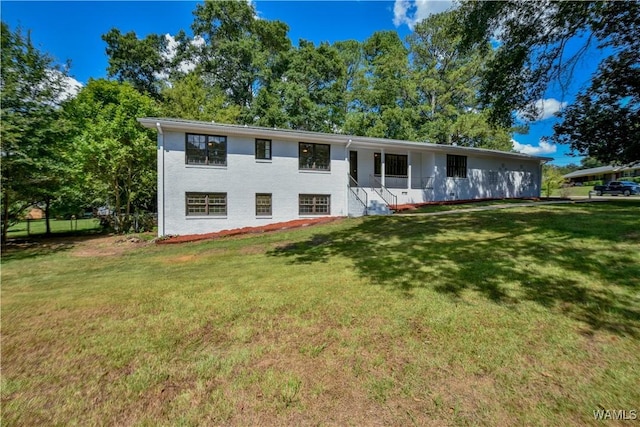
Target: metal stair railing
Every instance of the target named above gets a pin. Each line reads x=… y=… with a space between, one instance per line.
x=389 y=198
x=358 y=193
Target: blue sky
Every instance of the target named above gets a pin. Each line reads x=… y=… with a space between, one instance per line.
x=72 y=31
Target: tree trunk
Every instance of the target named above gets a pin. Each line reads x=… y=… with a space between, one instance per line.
x=47 y=203
x=5 y=216
x=128 y=190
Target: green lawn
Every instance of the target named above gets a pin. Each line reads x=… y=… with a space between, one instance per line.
x=466 y=205
x=580 y=191
x=38 y=227
x=527 y=316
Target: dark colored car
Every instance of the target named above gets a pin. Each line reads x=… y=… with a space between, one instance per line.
x=625 y=188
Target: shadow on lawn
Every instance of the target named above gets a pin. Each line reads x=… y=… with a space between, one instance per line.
x=507 y=257
x=37 y=246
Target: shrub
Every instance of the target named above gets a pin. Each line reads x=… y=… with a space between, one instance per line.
x=137 y=223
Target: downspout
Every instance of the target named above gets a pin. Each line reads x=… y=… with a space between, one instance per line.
x=348 y=162
x=161 y=192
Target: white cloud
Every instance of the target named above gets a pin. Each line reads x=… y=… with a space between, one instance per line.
x=172 y=46
x=546 y=108
x=411 y=12
x=543 y=147
x=69 y=87
x=72 y=87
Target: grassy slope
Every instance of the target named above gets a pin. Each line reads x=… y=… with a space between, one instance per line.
x=524 y=316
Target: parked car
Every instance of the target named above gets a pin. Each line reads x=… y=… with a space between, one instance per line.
x=625 y=188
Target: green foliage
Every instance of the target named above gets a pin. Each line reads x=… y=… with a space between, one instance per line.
x=117 y=154
x=33 y=134
x=237 y=47
x=189 y=98
x=551 y=178
x=590 y=162
x=240 y=69
x=447 y=80
x=139 y=62
x=304 y=91
x=604 y=120
x=382 y=95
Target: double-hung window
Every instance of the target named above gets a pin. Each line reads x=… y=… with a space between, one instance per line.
x=314 y=204
x=206 y=204
x=263 y=204
x=314 y=156
x=206 y=150
x=456 y=166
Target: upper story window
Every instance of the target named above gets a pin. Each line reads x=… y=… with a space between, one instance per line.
x=206 y=150
x=394 y=164
x=263 y=149
x=314 y=156
x=456 y=166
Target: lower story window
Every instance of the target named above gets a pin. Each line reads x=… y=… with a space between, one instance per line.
x=314 y=204
x=263 y=204
x=203 y=204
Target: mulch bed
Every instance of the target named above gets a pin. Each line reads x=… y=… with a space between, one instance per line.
x=247 y=230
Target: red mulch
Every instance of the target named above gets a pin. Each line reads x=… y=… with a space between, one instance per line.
x=297 y=223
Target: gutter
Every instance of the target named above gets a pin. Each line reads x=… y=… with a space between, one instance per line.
x=161 y=230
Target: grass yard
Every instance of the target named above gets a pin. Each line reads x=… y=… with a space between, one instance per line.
x=580 y=191
x=61 y=226
x=527 y=316
x=466 y=205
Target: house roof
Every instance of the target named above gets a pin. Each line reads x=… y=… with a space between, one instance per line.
x=348 y=140
x=601 y=170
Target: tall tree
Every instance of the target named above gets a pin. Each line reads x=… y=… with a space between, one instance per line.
x=32 y=131
x=447 y=81
x=352 y=56
x=189 y=98
x=238 y=47
x=141 y=62
x=305 y=91
x=383 y=91
x=118 y=155
x=604 y=121
x=533 y=52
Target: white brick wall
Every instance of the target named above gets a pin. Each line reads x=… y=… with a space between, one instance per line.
x=241 y=179
x=489 y=175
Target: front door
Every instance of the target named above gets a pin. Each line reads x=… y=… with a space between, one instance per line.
x=353 y=165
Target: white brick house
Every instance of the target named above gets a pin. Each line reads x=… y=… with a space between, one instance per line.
x=214 y=177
